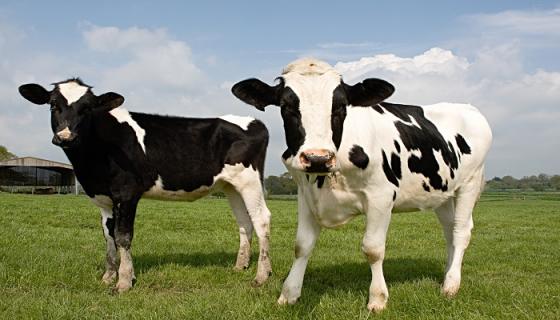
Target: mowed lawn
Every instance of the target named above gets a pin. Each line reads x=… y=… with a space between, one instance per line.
x=52 y=258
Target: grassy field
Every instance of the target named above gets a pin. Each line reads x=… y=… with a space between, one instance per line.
x=52 y=259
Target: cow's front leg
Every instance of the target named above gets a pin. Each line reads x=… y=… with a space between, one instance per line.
x=373 y=246
x=124 y=213
x=307 y=233
x=108 y=225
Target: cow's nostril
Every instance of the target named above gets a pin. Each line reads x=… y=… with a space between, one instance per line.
x=304 y=158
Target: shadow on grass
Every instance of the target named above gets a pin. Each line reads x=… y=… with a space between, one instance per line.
x=356 y=277
x=331 y=280
x=145 y=262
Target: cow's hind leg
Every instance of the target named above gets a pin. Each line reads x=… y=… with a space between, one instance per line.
x=455 y=217
x=125 y=213
x=249 y=186
x=111 y=260
x=245 y=227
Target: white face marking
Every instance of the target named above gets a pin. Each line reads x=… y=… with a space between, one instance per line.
x=64 y=133
x=242 y=122
x=122 y=115
x=314 y=83
x=72 y=91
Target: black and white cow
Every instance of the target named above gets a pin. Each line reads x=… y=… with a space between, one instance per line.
x=352 y=153
x=119 y=157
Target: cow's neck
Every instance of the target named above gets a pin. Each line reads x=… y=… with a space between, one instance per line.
x=90 y=166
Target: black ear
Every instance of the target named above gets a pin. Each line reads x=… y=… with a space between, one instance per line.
x=108 y=101
x=369 y=92
x=34 y=93
x=257 y=93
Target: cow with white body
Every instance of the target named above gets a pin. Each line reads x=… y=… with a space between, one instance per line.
x=351 y=153
x=119 y=157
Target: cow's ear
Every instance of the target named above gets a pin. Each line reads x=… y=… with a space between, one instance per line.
x=108 y=101
x=257 y=93
x=369 y=92
x=34 y=93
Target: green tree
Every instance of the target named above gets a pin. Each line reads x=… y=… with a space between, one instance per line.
x=555 y=182
x=5 y=154
x=509 y=182
x=283 y=184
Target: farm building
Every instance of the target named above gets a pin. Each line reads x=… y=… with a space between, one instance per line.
x=34 y=175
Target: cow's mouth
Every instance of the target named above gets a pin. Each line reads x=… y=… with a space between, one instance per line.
x=64 y=144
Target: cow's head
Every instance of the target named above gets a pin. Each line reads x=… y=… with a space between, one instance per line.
x=313 y=101
x=72 y=104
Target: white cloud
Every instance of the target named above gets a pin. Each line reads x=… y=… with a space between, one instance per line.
x=111 y=39
x=153 y=61
x=435 y=61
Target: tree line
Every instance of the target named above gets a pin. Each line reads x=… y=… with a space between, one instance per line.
x=542 y=182
x=284 y=184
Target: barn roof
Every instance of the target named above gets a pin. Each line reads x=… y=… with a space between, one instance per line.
x=34 y=162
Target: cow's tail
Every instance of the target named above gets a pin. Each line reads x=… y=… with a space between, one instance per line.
x=482 y=183
x=259 y=134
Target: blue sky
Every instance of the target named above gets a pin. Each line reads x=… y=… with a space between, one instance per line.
x=177 y=57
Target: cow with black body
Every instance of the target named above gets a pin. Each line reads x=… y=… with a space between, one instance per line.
x=120 y=156
x=351 y=153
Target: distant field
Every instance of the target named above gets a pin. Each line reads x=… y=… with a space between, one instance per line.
x=52 y=258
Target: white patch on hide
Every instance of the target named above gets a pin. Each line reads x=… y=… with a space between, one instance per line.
x=242 y=122
x=122 y=116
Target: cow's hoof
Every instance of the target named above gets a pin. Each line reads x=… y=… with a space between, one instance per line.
x=257 y=283
x=377 y=302
x=109 y=277
x=450 y=290
x=261 y=278
x=123 y=286
x=376 y=306
x=282 y=300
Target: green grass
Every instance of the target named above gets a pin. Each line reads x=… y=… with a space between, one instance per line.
x=52 y=259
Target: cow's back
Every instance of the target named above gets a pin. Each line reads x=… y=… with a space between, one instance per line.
x=423 y=153
x=465 y=119
x=188 y=154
